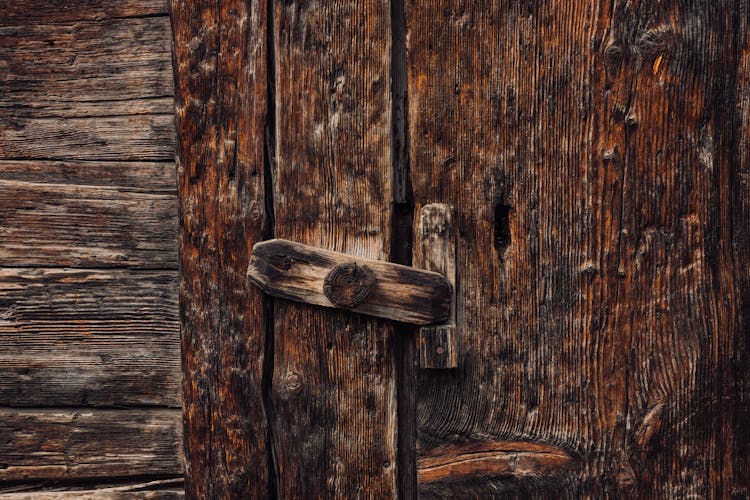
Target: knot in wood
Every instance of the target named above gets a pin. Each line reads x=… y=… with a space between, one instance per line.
x=348 y=285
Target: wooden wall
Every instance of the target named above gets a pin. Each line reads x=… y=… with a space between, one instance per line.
x=89 y=336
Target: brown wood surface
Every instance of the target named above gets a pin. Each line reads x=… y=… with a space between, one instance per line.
x=164 y=489
x=88 y=337
x=597 y=154
x=221 y=104
x=334 y=388
x=87 y=180
x=298 y=272
x=436 y=236
x=109 y=79
x=82 y=443
x=79 y=68
x=31 y=12
x=45 y=223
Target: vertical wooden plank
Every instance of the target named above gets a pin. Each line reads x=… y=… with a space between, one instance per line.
x=333 y=391
x=438 y=344
x=221 y=94
x=593 y=151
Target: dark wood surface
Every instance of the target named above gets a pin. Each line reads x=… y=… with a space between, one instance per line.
x=60 y=443
x=597 y=155
x=160 y=489
x=89 y=337
x=333 y=392
x=221 y=104
x=90 y=364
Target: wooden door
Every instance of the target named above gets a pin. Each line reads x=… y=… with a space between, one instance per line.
x=596 y=156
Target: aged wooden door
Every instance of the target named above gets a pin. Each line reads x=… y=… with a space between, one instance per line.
x=597 y=158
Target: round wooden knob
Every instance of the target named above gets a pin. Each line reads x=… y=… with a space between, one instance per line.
x=348 y=285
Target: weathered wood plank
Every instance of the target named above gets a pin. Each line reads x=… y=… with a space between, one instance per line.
x=80 y=444
x=86 y=226
x=334 y=387
x=164 y=489
x=221 y=103
x=137 y=137
x=55 y=11
x=82 y=337
x=457 y=463
x=300 y=272
x=436 y=236
x=89 y=68
x=110 y=81
x=146 y=177
x=591 y=150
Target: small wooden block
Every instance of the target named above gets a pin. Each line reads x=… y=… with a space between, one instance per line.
x=307 y=274
x=437 y=346
x=436 y=240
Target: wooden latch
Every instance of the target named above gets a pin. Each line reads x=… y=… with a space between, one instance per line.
x=302 y=273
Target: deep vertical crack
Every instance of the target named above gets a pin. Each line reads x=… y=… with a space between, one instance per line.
x=401 y=252
x=269 y=159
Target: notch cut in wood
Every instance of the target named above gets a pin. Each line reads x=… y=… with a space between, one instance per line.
x=303 y=273
x=436 y=237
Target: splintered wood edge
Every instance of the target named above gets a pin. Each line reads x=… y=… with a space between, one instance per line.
x=438 y=345
x=297 y=272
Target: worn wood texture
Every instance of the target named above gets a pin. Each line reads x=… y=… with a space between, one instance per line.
x=436 y=235
x=81 y=68
x=88 y=337
x=32 y=12
x=164 y=489
x=87 y=180
x=298 y=272
x=597 y=155
x=221 y=104
x=109 y=79
x=45 y=224
x=84 y=443
x=481 y=460
x=334 y=387
x=136 y=177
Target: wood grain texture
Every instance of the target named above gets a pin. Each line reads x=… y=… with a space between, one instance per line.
x=597 y=156
x=221 y=103
x=457 y=463
x=164 y=489
x=436 y=236
x=87 y=180
x=297 y=272
x=138 y=177
x=334 y=387
x=60 y=443
x=88 y=337
x=109 y=79
x=31 y=12
x=46 y=224
x=106 y=67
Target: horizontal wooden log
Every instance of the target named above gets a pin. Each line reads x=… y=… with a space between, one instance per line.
x=478 y=460
x=298 y=272
x=76 y=444
x=164 y=489
x=88 y=68
x=146 y=177
x=35 y=11
x=82 y=337
x=86 y=226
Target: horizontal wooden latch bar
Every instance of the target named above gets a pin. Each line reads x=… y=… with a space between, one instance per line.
x=303 y=273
